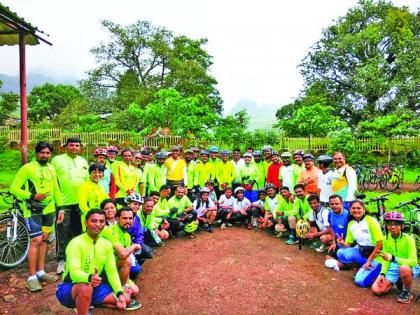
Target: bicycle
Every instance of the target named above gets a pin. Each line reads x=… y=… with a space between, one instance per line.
x=380 y=207
x=412 y=225
x=14 y=234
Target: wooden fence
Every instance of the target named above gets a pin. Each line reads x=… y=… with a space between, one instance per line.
x=12 y=136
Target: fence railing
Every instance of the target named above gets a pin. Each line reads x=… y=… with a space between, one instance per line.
x=394 y=145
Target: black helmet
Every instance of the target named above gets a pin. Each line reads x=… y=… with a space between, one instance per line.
x=308 y=156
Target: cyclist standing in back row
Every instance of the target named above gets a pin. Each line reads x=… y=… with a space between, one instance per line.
x=343 y=180
x=72 y=172
x=36 y=184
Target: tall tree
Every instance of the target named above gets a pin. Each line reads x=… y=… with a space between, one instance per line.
x=140 y=59
x=49 y=100
x=366 y=64
x=8 y=103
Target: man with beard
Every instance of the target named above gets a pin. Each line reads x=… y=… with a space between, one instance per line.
x=261 y=168
x=289 y=172
x=72 y=172
x=226 y=171
x=155 y=174
x=36 y=184
x=274 y=170
x=204 y=170
x=120 y=239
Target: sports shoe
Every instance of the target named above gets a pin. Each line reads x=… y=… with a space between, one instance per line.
x=223 y=226
x=405 y=297
x=60 y=267
x=332 y=263
x=33 y=285
x=229 y=224
x=321 y=248
x=279 y=234
x=209 y=229
x=292 y=240
x=48 y=278
x=134 y=305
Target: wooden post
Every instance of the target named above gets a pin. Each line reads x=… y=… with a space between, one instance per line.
x=23 y=104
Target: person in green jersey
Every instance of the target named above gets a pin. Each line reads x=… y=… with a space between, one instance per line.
x=262 y=168
x=36 y=185
x=214 y=160
x=399 y=256
x=91 y=276
x=191 y=164
x=204 y=170
x=126 y=176
x=124 y=249
x=155 y=174
x=249 y=175
x=225 y=172
x=72 y=172
x=91 y=192
x=178 y=204
x=138 y=163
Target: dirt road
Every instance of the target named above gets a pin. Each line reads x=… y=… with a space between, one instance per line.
x=235 y=271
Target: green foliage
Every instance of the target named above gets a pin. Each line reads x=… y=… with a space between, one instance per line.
x=231 y=130
x=48 y=101
x=366 y=64
x=342 y=140
x=141 y=59
x=313 y=120
x=8 y=103
x=397 y=124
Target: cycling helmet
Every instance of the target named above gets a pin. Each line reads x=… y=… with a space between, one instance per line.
x=237 y=189
x=204 y=190
x=214 y=149
x=204 y=152
x=100 y=151
x=133 y=197
x=161 y=155
x=267 y=148
x=145 y=152
x=308 y=156
x=189 y=151
x=299 y=152
x=176 y=148
x=394 y=216
x=112 y=149
x=191 y=227
x=247 y=155
x=195 y=149
x=209 y=182
x=274 y=153
x=302 y=228
x=225 y=152
x=286 y=155
x=270 y=185
x=257 y=153
x=325 y=160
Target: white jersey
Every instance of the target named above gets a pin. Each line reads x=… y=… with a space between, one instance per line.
x=201 y=207
x=240 y=204
x=321 y=218
x=226 y=202
x=324 y=185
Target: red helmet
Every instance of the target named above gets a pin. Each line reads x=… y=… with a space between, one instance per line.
x=100 y=151
x=394 y=216
x=112 y=149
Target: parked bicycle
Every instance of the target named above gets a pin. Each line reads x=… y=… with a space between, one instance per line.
x=380 y=207
x=14 y=234
x=412 y=223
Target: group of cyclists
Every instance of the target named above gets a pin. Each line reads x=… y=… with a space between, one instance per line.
x=111 y=215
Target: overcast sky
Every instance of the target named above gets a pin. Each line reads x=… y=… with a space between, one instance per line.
x=256 y=45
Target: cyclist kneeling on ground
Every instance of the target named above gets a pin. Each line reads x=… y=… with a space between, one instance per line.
x=205 y=209
x=318 y=219
x=400 y=259
x=91 y=275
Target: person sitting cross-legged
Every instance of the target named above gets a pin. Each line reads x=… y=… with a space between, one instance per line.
x=206 y=209
x=318 y=218
x=91 y=275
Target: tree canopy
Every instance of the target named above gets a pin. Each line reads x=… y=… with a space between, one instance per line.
x=8 y=103
x=365 y=64
x=141 y=58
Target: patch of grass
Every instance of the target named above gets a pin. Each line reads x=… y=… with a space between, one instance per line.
x=6 y=177
x=410 y=175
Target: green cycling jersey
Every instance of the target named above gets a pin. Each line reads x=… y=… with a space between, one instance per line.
x=403 y=248
x=35 y=178
x=84 y=256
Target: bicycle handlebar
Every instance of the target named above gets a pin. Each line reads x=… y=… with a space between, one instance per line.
x=409 y=202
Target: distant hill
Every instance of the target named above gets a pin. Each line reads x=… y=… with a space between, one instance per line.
x=262 y=117
x=11 y=83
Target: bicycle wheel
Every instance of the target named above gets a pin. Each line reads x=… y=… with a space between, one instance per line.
x=13 y=251
x=393 y=182
x=372 y=182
